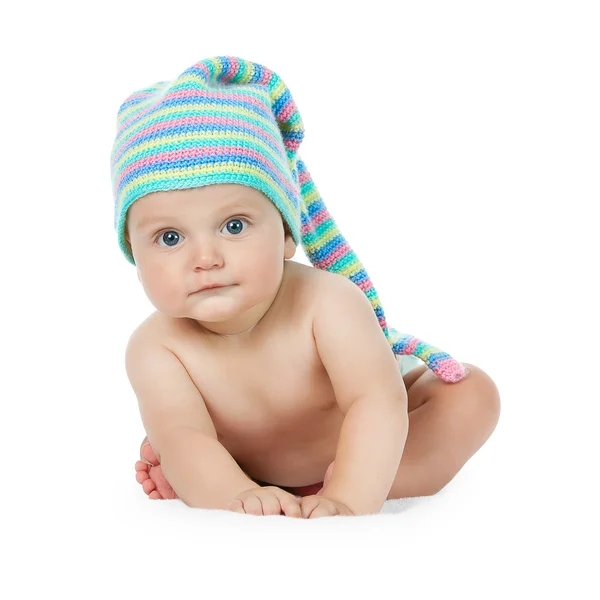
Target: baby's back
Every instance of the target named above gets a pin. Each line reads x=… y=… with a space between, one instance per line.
x=270 y=399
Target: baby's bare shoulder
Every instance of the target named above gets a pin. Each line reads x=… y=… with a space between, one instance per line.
x=157 y=327
x=313 y=282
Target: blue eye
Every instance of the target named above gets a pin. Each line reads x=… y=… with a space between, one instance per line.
x=236 y=230
x=171 y=237
x=168 y=235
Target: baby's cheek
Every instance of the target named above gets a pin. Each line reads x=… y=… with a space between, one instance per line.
x=163 y=292
x=269 y=270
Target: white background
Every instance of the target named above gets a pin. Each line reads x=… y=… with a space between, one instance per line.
x=456 y=146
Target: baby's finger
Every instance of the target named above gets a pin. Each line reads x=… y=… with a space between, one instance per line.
x=290 y=506
x=253 y=505
x=308 y=504
x=236 y=506
x=287 y=503
x=270 y=503
x=322 y=511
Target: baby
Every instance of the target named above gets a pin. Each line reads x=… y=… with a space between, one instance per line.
x=266 y=386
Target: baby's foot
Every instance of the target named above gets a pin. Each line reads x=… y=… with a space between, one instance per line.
x=149 y=474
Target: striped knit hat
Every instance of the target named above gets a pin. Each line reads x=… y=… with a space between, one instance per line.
x=230 y=120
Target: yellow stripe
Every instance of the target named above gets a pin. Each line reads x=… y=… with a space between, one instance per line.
x=241 y=112
x=138 y=151
x=189 y=173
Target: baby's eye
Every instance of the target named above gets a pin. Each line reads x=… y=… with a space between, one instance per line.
x=171 y=236
x=237 y=228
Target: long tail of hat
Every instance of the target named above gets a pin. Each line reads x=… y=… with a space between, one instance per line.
x=325 y=246
x=327 y=249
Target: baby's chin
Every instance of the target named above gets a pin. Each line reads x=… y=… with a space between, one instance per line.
x=216 y=314
x=213 y=308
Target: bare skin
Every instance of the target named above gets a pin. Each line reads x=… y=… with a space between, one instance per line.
x=289 y=439
x=283 y=439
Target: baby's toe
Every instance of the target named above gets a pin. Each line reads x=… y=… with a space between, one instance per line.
x=162 y=485
x=147 y=455
x=149 y=486
x=140 y=466
x=141 y=471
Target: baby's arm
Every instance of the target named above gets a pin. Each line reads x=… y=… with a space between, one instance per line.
x=370 y=392
x=199 y=468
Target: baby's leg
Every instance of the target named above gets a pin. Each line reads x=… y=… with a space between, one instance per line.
x=149 y=474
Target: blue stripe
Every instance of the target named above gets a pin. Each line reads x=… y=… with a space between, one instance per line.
x=316 y=206
x=208 y=160
x=226 y=64
x=213 y=127
x=281 y=101
x=206 y=101
x=258 y=73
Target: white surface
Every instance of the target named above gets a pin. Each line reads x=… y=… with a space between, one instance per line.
x=469 y=132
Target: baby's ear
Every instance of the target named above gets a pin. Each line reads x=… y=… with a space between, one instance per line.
x=289 y=248
x=128 y=243
x=127 y=240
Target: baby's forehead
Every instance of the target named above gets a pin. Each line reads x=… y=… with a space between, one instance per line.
x=209 y=200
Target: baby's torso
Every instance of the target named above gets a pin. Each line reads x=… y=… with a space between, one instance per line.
x=272 y=404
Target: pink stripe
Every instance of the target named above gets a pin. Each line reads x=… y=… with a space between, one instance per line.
x=365 y=285
x=317 y=219
x=195 y=94
x=266 y=76
x=304 y=176
x=320 y=217
x=312 y=225
x=235 y=66
x=192 y=153
x=202 y=67
x=450 y=370
x=199 y=120
x=411 y=346
x=287 y=110
x=339 y=253
x=203 y=120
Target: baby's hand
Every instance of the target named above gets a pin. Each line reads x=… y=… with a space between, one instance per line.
x=269 y=500
x=317 y=506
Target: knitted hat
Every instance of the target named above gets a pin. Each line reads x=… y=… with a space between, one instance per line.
x=230 y=120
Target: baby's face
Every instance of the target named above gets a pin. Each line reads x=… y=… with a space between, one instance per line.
x=224 y=234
